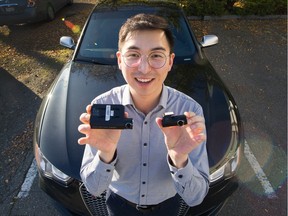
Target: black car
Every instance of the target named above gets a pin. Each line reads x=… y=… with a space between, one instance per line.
x=26 y=11
x=93 y=70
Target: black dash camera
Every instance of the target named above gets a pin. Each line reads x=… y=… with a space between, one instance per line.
x=170 y=119
x=109 y=116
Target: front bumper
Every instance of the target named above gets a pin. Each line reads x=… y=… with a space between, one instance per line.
x=77 y=199
x=68 y=196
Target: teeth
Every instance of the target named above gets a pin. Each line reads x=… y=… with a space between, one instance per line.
x=144 y=80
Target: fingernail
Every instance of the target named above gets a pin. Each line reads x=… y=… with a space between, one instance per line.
x=198 y=130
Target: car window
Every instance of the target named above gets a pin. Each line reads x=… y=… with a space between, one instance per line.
x=100 y=41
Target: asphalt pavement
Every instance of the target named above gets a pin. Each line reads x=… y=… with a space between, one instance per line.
x=251 y=58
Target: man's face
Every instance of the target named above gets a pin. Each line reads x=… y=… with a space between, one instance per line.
x=144 y=79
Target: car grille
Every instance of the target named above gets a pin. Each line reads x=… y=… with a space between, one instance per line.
x=97 y=205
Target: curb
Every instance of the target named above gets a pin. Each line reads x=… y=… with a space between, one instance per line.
x=237 y=17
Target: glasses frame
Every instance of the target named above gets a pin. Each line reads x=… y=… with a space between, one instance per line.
x=147 y=59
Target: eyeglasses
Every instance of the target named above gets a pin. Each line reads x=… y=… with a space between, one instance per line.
x=155 y=59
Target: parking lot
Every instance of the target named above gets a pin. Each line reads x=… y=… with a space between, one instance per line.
x=251 y=58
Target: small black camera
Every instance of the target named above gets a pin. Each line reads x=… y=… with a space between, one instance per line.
x=169 y=119
x=109 y=116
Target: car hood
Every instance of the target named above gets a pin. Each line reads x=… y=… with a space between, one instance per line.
x=79 y=83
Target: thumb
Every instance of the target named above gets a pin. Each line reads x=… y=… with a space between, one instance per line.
x=159 y=122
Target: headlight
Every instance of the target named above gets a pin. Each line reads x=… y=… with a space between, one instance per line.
x=228 y=169
x=49 y=170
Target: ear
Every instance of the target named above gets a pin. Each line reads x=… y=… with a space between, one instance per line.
x=171 y=60
x=119 y=59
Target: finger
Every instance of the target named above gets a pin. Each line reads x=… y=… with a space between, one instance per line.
x=189 y=114
x=85 y=118
x=195 y=119
x=88 y=108
x=200 y=138
x=84 y=128
x=197 y=128
x=82 y=141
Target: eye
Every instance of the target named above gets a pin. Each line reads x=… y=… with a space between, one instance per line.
x=157 y=56
x=132 y=55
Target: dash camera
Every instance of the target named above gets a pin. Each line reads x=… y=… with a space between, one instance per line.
x=109 y=116
x=170 y=119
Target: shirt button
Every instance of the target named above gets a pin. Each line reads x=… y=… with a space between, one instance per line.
x=144 y=164
x=145 y=122
x=143 y=182
x=145 y=144
x=143 y=195
x=180 y=176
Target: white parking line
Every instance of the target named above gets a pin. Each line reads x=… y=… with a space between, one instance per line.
x=29 y=179
x=268 y=189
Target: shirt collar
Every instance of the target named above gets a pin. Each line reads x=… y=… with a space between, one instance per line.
x=127 y=99
x=164 y=97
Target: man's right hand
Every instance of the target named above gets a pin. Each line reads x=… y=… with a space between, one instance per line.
x=105 y=141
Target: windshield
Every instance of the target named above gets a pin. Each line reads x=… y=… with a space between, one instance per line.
x=100 y=41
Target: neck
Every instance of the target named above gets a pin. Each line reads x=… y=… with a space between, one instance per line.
x=145 y=104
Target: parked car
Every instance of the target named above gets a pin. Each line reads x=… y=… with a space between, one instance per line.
x=26 y=11
x=93 y=70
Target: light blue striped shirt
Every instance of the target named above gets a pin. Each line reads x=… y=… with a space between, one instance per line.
x=141 y=172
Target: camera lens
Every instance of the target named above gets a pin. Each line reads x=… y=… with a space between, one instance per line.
x=128 y=125
x=180 y=123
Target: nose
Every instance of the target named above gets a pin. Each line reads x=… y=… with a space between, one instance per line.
x=144 y=66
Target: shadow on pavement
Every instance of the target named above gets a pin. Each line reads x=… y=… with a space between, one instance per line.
x=18 y=108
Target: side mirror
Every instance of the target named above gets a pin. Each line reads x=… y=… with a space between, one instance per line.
x=67 y=42
x=209 y=40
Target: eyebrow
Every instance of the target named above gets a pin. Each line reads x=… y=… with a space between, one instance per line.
x=154 y=49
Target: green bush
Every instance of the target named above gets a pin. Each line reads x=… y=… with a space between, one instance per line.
x=205 y=7
x=264 y=7
x=240 y=7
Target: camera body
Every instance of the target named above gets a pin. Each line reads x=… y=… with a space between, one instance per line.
x=169 y=119
x=109 y=116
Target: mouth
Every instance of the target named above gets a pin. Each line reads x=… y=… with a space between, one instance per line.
x=141 y=80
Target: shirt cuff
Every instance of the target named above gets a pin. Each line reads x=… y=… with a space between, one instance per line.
x=182 y=175
x=103 y=167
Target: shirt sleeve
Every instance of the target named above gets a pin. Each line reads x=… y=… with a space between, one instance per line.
x=192 y=181
x=95 y=174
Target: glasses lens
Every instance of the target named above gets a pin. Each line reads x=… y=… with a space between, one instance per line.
x=155 y=59
x=132 y=59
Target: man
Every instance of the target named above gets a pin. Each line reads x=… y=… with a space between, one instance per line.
x=146 y=170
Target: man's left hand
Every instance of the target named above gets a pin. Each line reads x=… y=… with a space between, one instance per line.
x=181 y=140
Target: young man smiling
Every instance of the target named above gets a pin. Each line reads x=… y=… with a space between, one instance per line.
x=146 y=170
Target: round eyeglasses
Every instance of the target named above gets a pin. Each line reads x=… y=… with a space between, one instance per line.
x=155 y=59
